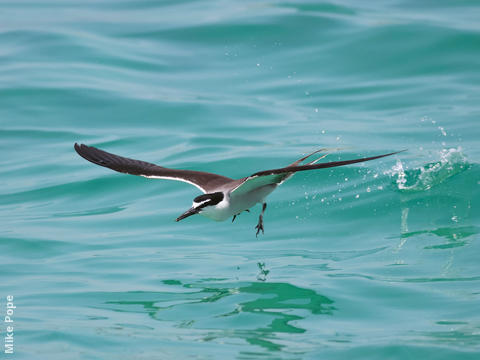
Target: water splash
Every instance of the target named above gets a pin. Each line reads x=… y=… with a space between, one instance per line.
x=452 y=161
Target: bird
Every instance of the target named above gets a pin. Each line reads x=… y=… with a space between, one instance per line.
x=222 y=197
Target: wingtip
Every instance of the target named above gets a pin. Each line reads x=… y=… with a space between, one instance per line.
x=78 y=147
x=389 y=154
x=81 y=149
x=392 y=153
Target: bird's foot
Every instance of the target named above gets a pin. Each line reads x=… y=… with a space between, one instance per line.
x=259 y=226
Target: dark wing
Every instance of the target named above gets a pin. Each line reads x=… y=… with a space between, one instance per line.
x=206 y=182
x=293 y=169
x=277 y=176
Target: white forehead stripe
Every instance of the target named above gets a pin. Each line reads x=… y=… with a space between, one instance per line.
x=200 y=203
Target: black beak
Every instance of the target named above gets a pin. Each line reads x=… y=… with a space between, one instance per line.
x=189 y=212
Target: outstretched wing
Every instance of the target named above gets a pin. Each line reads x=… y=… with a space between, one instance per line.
x=206 y=182
x=252 y=182
x=277 y=176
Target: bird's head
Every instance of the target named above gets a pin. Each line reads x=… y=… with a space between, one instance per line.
x=201 y=202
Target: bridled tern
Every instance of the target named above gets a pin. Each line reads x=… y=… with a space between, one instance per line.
x=222 y=197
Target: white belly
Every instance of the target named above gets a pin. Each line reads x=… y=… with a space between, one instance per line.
x=236 y=204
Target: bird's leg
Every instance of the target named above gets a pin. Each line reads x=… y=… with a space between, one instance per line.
x=260 y=220
x=234 y=216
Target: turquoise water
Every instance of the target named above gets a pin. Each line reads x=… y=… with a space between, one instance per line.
x=372 y=261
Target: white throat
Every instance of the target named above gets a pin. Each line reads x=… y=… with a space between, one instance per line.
x=218 y=212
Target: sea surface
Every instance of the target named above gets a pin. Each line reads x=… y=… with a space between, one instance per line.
x=379 y=260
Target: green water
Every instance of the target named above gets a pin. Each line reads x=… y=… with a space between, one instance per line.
x=372 y=261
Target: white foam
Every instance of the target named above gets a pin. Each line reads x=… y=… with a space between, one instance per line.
x=423 y=178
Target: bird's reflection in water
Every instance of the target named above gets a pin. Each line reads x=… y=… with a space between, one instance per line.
x=262 y=271
x=256 y=312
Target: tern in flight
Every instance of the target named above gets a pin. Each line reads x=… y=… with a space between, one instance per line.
x=222 y=197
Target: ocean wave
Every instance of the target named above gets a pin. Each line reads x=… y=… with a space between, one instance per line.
x=452 y=162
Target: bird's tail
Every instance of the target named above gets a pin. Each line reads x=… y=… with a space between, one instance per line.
x=328 y=150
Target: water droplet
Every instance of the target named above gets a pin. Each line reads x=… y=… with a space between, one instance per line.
x=357 y=196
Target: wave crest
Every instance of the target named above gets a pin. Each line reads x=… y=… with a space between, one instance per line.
x=452 y=161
